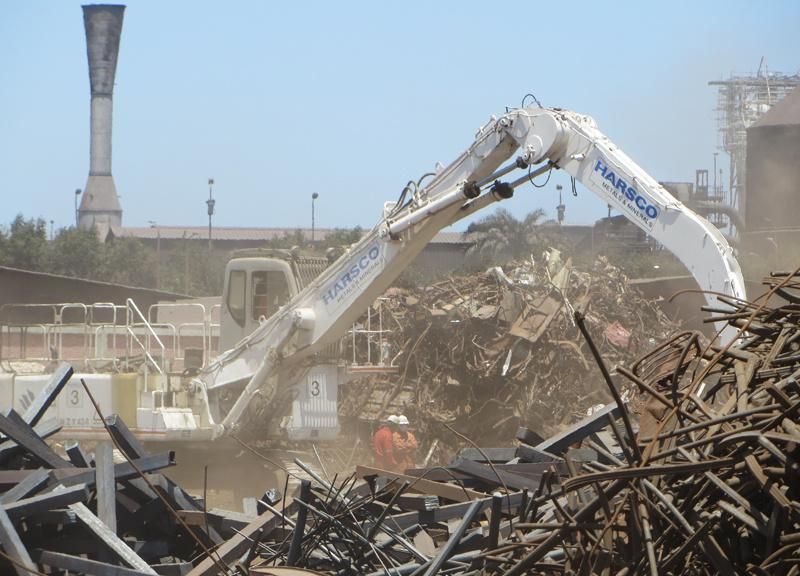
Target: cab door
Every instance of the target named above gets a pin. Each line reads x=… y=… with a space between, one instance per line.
x=255 y=288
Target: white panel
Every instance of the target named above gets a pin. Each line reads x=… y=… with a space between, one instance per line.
x=149 y=420
x=178 y=419
x=314 y=409
x=26 y=389
x=74 y=406
x=6 y=391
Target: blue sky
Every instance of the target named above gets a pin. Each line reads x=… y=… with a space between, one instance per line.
x=276 y=100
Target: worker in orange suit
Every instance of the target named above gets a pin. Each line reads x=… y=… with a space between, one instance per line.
x=405 y=445
x=383 y=445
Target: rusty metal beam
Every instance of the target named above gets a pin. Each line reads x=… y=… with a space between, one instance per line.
x=47 y=396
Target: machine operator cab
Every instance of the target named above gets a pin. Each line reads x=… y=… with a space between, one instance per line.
x=257 y=283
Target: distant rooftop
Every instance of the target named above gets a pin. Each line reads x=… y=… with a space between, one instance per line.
x=45 y=276
x=223 y=233
x=217 y=233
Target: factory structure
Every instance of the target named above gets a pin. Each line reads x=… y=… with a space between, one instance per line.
x=100 y=208
x=758 y=118
x=772 y=198
x=754 y=204
x=100 y=205
x=743 y=104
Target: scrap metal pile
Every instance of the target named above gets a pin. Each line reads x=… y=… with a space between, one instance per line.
x=710 y=484
x=75 y=512
x=502 y=347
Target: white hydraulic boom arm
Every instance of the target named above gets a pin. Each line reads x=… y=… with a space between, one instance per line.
x=543 y=137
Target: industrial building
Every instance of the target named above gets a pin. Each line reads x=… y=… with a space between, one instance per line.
x=773 y=174
x=100 y=203
x=758 y=127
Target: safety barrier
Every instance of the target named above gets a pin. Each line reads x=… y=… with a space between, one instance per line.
x=104 y=336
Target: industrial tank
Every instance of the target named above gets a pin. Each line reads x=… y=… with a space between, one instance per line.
x=773 y=168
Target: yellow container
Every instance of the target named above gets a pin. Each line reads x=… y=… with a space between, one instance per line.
x=125 y=396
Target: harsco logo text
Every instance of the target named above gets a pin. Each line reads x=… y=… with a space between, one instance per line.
x=347 y=281
x=628 y=192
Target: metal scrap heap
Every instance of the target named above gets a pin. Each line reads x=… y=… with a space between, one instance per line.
x=486 y=351
x=709 y=485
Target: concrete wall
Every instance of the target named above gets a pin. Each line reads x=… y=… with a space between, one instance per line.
x=773 y=178
x=25 y=287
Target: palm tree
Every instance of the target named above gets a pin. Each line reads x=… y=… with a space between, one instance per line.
x=501 y=235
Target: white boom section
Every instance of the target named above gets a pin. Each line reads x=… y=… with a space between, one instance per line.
x=322 y=312
x=573 y=143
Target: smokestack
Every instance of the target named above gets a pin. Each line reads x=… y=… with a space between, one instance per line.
x=100 y=204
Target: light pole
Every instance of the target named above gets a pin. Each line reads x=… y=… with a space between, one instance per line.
x=314 y=197
x=210 y=202
x=77 y=193
x=154 y=224
x=715 y=174
x=561 y=208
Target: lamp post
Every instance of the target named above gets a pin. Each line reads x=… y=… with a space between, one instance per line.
x=210 y=202
x=77 y=193
x=715 y=175
x=314 y=197
x=561 y=208
x=154 y=224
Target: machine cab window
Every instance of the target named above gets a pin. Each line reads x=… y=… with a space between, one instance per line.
x=236 y=295
x=270 y=291
x=258 y=283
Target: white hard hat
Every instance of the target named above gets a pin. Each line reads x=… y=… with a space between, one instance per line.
x=393 y=419
x=402 y=420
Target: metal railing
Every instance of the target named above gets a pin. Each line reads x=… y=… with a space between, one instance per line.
x=133 y=314
x=105 y=328
x=53 y=323
x=202 y=323
x=105 y=336
x=365 y=338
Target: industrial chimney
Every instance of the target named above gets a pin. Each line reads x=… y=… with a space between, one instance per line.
x=99 y=204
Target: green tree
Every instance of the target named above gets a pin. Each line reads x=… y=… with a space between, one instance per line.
x=502 y=236
x=127 y=261
x=343 y=237
x=336 y=238
x=25 y=246
x=3 y=247
x=289 y=239
x=76 y=252
x=190 y=269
